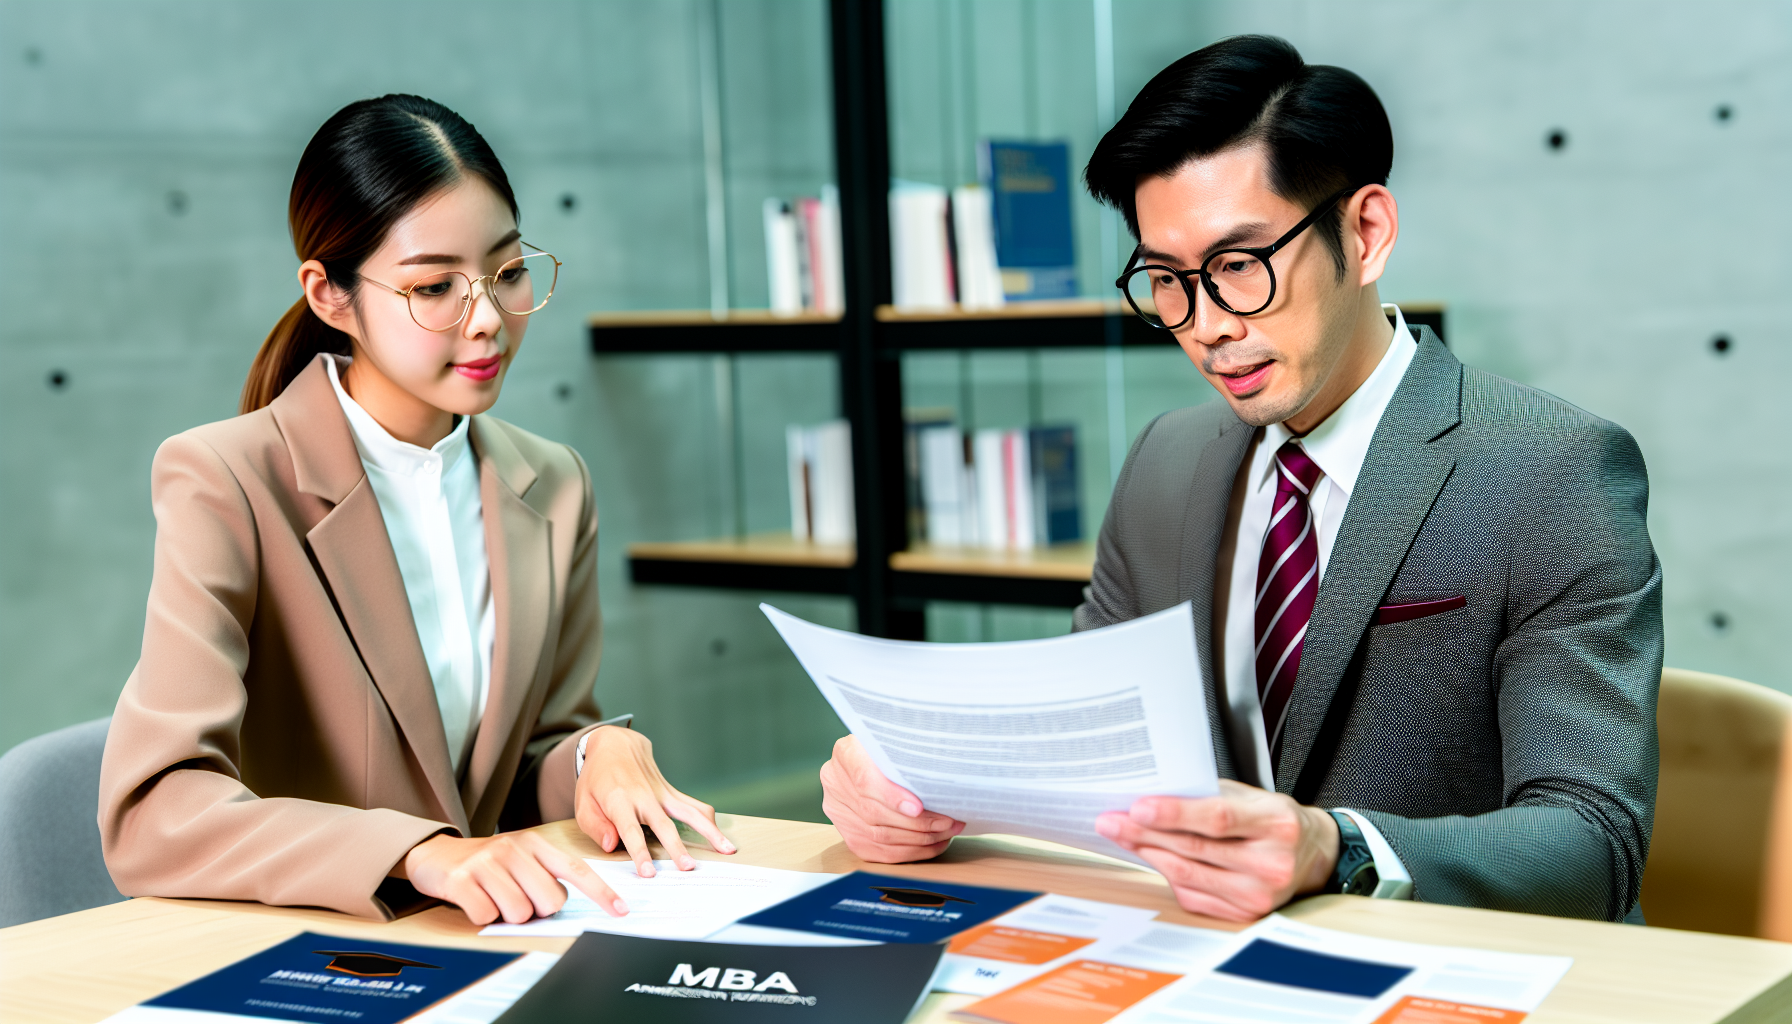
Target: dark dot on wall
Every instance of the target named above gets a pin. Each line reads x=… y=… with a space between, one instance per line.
x=1556 y=140
x=563 y=391
x=1723 y=112
x=33 y=56
x=718 y=647
x=177 y=202
x=58 y=380
x=1720 y=621
x=568 y=201
x=1721 y=344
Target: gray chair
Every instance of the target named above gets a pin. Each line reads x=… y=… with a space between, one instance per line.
x=50 y=860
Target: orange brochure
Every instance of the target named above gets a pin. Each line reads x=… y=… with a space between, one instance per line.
x=993 y=941
x=1083 y=992
x=1413 y=1010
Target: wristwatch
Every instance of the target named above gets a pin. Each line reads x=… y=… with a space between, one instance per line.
x=1355 y=874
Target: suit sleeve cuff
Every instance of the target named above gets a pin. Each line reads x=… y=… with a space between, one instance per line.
x=1396 y=881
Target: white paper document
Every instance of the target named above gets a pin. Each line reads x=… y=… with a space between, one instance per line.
x=673 y=904
x=1283 y=970
x=1033 y=737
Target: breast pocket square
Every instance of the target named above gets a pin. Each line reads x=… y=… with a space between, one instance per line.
x=1388 y=613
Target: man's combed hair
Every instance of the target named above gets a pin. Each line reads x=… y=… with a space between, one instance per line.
x=1322 y=127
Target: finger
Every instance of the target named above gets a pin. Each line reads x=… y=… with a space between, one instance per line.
x=702 y=818
x=850 y=818
x=1197 y=902
x=1230 y=854
x=596 y=824
x=472 y=900
x=514 y=905
x=543 y=890
x=667 y=833
x=635 y=843
x=587 y=881
x=1241 y=891
x=1231 y=814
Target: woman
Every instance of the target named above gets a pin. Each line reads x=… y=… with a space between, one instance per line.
x=373 y=629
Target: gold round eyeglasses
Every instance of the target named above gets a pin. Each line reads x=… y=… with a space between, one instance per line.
x=519 y=287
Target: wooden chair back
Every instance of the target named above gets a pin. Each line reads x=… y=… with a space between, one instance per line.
x=1721 y=857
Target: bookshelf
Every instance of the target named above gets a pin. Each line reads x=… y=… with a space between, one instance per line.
x=889 y=581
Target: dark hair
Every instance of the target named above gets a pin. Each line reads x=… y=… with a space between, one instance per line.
x=371 y=163
x=1322 y=127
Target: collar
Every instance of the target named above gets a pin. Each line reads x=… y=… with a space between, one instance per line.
x=1339 y=445
x=380 y=450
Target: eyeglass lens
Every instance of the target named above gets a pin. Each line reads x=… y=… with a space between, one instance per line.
x=520 y=287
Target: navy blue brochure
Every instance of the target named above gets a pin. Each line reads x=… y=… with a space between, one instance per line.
x=622 y=978
x=866 y=906
x=316 y=977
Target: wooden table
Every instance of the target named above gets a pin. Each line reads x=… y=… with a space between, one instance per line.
x=82 y=967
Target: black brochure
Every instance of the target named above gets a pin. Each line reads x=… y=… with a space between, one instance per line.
x=607 y=977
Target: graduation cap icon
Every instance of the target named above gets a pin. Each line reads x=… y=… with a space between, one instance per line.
x=368 y=965
x=916 y=897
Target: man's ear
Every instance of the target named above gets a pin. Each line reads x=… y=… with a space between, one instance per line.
x=1374 y=221
x=327 y=301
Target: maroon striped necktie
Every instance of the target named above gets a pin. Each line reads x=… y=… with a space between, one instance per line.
x=1287 y=583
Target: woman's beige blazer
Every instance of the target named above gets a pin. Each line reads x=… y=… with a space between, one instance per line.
x=279 y=739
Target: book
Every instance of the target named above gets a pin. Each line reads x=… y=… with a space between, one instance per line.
x=1001 y=489
x=313 y=977
x=625 y=978
x=819 y=465
x=1029 y=184
x=978 y=274
x=889 y=909
x=783 y=257
x=920 y=248
x=1057 y=494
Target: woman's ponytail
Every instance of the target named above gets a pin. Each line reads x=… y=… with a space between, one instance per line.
x=291 y=345
x=371 y=163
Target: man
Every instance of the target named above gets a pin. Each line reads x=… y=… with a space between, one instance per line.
x=1427 y=610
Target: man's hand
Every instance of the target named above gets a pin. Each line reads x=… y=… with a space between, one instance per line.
x=880 y=821
x=622 y=789
x=1236 y=856
x=514 y=876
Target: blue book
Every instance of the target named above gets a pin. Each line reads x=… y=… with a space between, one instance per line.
x=1029 y=184
x=886 y=909
x=1057 y=493
x=314 y=977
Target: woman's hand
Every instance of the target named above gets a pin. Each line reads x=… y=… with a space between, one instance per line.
x=621 y=789
x=514 y=876
x=880 y=821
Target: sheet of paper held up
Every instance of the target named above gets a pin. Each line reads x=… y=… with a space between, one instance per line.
x=673 y=904
x=1032 y=737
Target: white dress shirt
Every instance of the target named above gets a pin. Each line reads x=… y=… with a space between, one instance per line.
x=1338 y=447
x=429 y=498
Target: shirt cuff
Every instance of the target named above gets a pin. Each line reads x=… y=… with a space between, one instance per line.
x=1396 y=882
x=578 y=757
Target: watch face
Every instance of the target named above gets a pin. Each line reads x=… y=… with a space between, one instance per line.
x=1364 y=882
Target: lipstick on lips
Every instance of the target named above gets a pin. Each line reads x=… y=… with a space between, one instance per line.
x=479 y=369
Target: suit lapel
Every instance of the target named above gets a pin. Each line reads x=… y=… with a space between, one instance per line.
x=518 y=547
x=1203 y=525
x=354 y=555
x=1402 y=476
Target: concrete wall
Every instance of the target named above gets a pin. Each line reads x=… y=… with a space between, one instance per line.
x=146 y=149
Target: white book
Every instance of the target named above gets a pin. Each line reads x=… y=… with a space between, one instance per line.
x=942 y=483
x=1017 y=484
x=920 y=264
x=783 y=259
x=970 y=519
x=974 y=232
x=796 y=448
x=831 y=484
x=992 y=501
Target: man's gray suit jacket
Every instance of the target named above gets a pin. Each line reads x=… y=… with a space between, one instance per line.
x=1506 y=748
